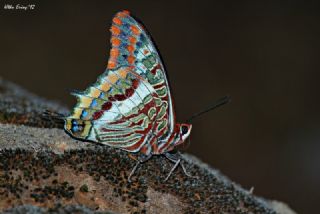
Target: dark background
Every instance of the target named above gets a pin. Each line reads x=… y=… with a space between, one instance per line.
x=265 y=55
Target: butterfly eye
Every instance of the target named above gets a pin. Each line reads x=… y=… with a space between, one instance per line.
x=184 y=129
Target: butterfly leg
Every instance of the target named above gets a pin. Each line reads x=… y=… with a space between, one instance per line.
x=175 y=158
x=172 y=169
x=139 y=161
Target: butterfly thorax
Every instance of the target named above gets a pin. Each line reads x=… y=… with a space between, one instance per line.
x=159 y=144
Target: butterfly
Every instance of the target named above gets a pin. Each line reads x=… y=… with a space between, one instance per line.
x=130 y=106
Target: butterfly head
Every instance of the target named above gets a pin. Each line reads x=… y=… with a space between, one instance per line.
x=184 y=132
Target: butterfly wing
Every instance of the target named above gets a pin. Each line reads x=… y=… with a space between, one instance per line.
x=131 y=99
x=137 y=49
x=118 y=110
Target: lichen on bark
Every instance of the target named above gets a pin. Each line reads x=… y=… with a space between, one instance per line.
x=43 y=169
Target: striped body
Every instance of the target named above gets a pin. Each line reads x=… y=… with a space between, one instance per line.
x=130 y=106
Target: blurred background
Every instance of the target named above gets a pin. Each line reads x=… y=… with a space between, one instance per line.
x=265 y=55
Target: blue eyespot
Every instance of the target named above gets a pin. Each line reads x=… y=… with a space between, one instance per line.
x=84 y=113
x=101 y=95
x=75 y=128
x=93 y=103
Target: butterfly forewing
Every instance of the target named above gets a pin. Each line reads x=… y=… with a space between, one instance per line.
x=130 y=102
x=132 y=45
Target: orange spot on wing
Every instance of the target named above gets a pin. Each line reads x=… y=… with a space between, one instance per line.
x=134 y=29
x=105 y=86
x=123 y=73
x=130 y=48
x=115 y=30
x=145 y=51
x=113 y=78
x=124 y=13
x=111 y=64
x=114 y=53
x=94 y=92
x=85 y=101
x=131 y=59
x=132 y=40
x=115 y=41
x=117 y=21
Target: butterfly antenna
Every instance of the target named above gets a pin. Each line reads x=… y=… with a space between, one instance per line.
x=53 y=116
x=216 y=104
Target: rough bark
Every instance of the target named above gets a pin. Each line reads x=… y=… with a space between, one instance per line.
x=42 y=169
